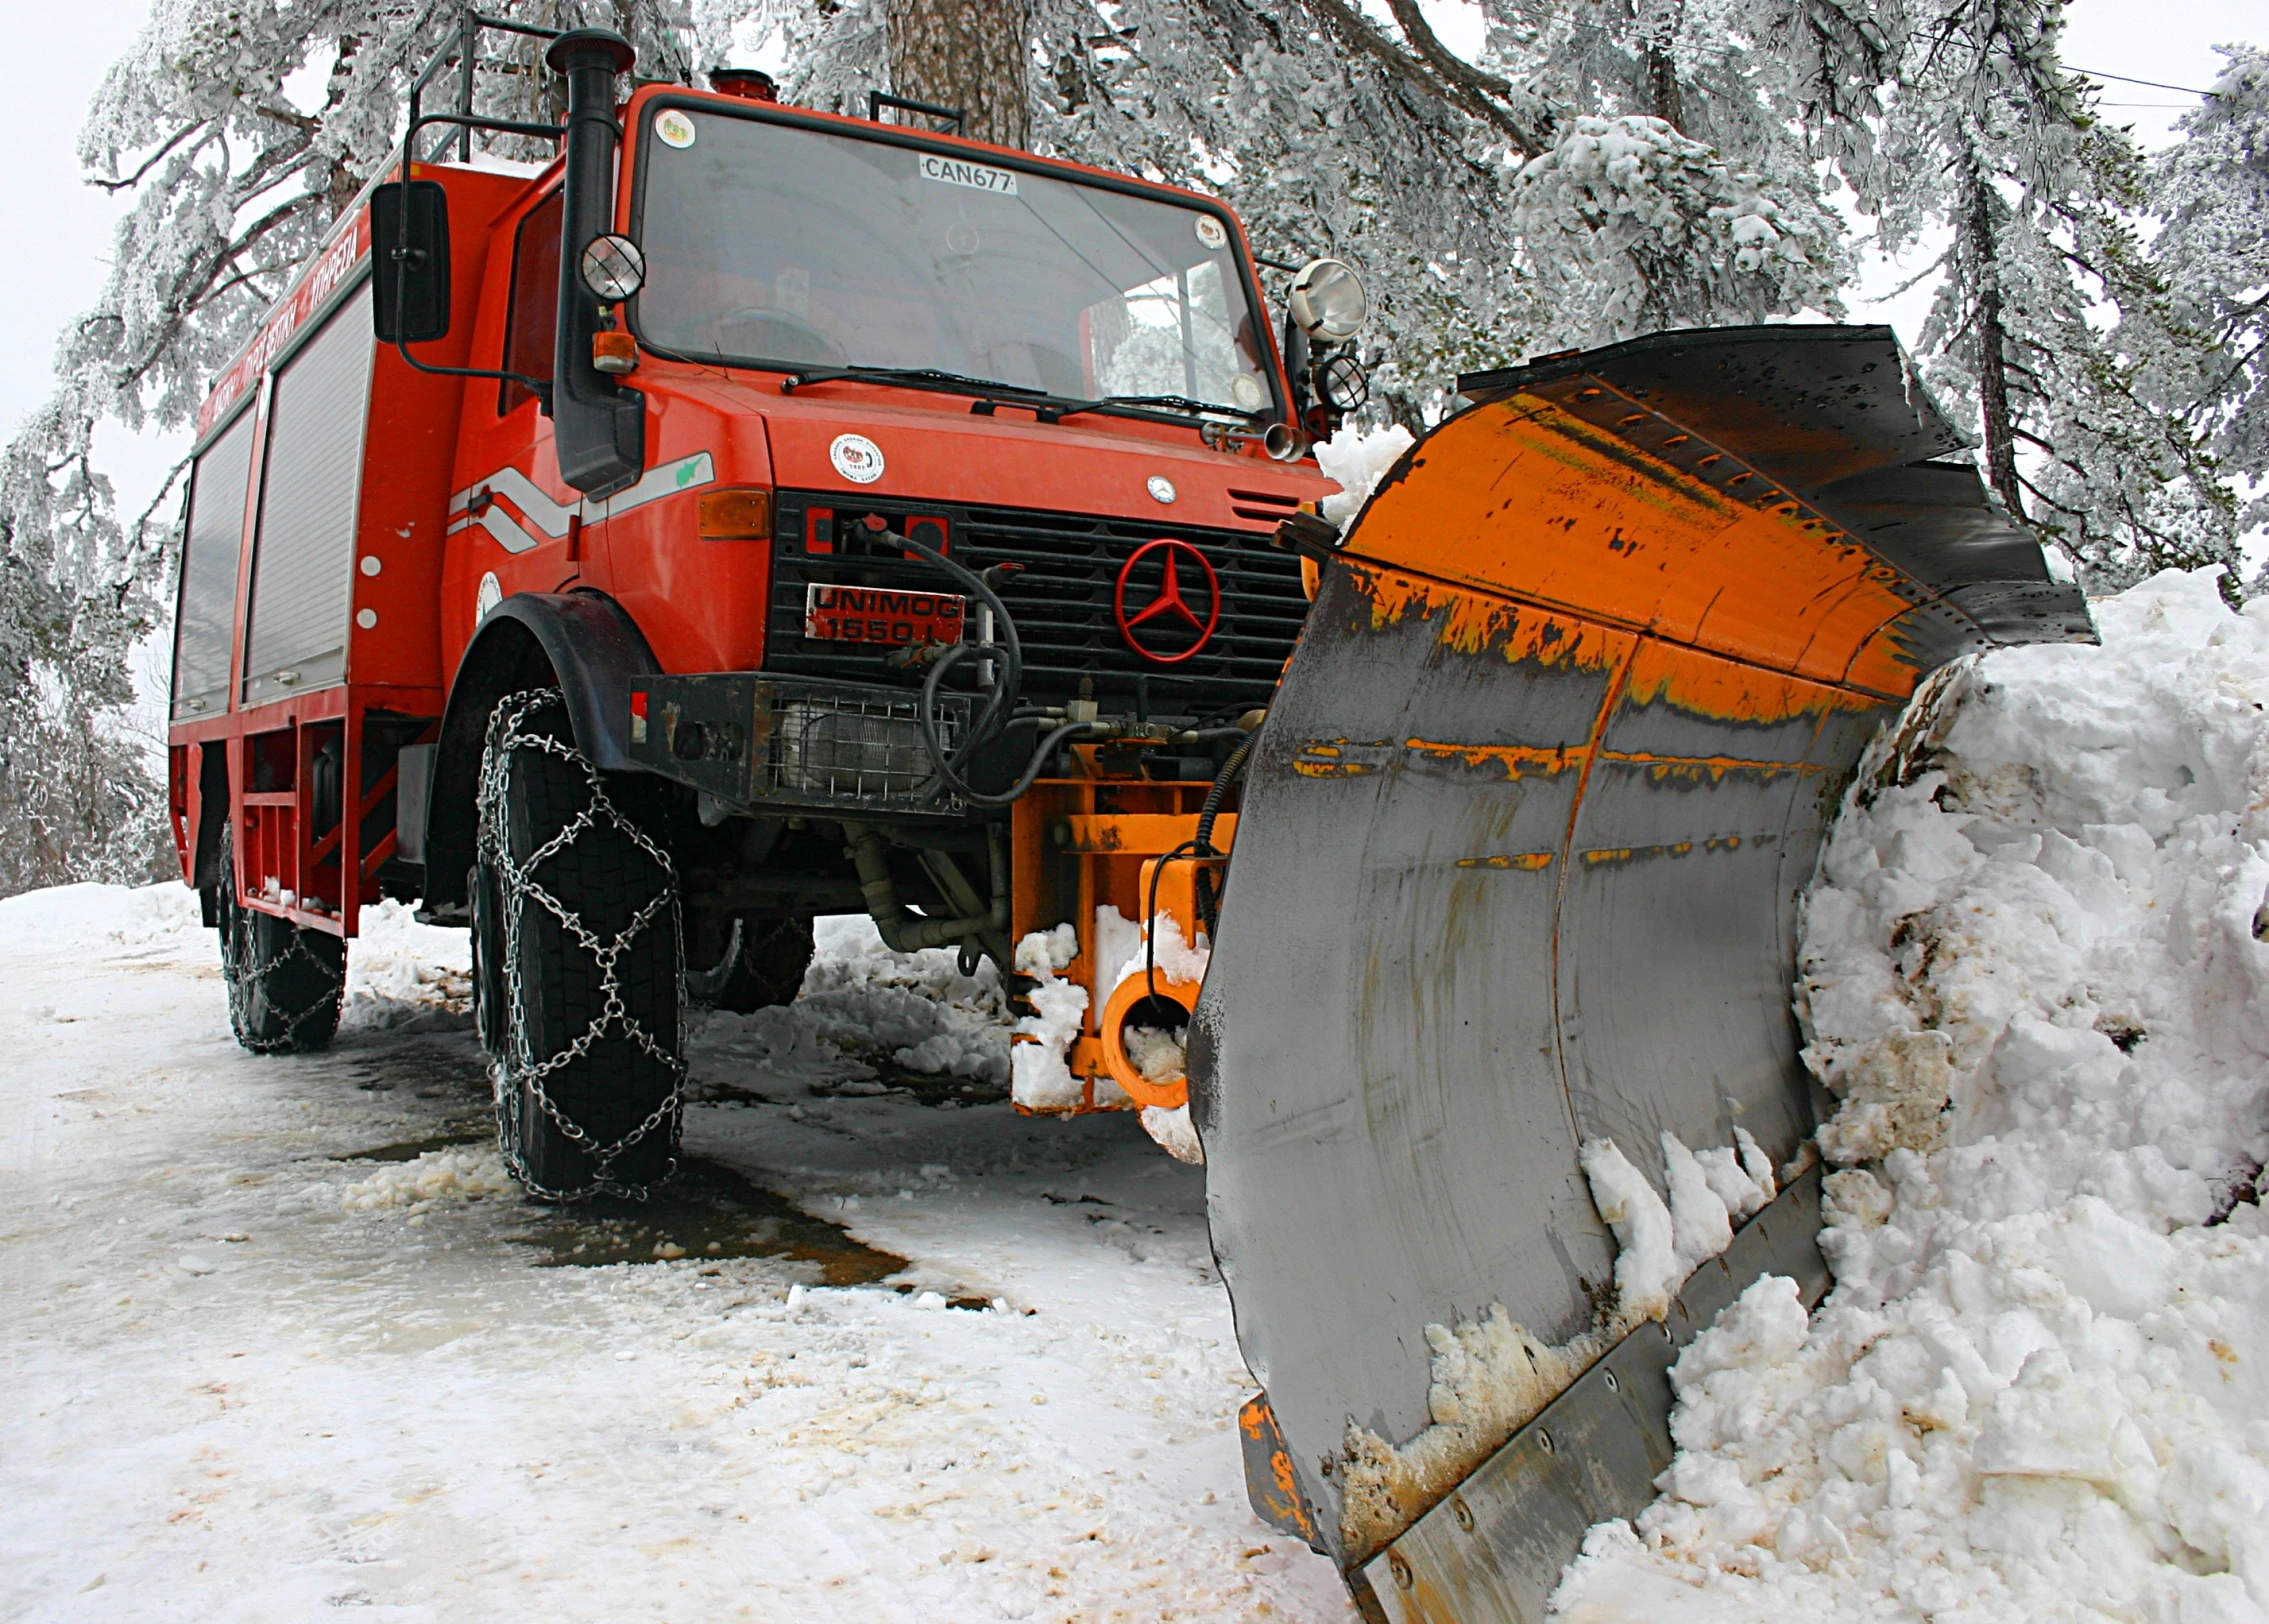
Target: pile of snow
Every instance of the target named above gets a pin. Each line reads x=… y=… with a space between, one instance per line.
x=859 y=998
x=2030 y=974
x=141 y=921
x=406 y=977
x=437 y=1176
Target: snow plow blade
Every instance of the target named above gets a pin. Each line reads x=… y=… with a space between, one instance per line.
x=1517 y=871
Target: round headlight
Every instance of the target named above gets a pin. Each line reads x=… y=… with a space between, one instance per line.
x=1328 y=301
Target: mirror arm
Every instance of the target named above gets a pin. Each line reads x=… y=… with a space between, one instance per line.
x=538 y=387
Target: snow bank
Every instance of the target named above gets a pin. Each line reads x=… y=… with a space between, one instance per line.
x=406 y=977
x=2030 y=976
x=125 y=919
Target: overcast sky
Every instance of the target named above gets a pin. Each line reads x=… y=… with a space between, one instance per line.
x=62 y=227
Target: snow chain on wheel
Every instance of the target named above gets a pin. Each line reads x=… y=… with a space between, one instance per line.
x=578 y=955
x=284 y=983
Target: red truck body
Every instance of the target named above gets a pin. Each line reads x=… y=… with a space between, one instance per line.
x=355 y=524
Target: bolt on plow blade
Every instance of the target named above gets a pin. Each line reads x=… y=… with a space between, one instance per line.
x=1516 y=875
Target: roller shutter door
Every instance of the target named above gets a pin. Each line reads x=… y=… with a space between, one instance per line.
x=303 y=563
x=211 y=548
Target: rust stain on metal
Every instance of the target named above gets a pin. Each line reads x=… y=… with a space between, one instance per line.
x=1530 y=861
x=1696 y=768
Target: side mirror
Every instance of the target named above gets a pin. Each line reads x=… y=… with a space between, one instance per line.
x=409 y=261
x=1328 y=301
x=613 y=268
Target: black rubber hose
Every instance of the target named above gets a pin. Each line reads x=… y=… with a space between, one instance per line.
x=926 y=715
x=1003 y=698
x=1231 y=770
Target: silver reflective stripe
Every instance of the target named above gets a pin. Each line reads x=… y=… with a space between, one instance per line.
x=549 y=518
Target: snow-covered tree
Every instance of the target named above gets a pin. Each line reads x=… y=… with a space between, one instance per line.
x=1538 y=197
x=232 y=184
x=2050 y=328
x=2211 y=190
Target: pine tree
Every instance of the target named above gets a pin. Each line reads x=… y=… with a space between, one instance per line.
x=1990 y=141
x=2211 y=190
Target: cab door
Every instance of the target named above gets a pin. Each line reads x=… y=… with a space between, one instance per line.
x=514 y=524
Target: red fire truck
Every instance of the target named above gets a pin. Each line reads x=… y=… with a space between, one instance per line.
x=751 y=513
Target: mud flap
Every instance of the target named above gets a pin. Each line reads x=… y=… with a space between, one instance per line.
x=1518 y=868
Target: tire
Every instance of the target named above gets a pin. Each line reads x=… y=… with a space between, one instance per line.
x=578 y=954
x=284 y=983
x=769 y=958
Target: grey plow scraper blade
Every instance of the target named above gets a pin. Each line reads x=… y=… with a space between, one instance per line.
x=1517 y=869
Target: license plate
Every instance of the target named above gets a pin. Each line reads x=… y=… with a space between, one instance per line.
x=882 y=616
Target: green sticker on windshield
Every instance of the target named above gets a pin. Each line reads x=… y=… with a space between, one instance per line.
x=675 y=129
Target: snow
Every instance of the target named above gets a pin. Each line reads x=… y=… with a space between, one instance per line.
x=1039 y=1066
x=2030 y=978
x=279 y=1343
x=1358 y=460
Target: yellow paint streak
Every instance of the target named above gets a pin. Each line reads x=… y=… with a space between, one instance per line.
x=1529 y=861
x=1518 y=760
x=1332 y=769
x=1478 y=623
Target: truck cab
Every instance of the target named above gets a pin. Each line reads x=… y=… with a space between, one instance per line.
x=892 y=521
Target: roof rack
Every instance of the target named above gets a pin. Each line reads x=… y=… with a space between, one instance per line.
x=463 y=49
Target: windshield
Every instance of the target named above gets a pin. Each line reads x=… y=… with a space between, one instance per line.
x=768 y=243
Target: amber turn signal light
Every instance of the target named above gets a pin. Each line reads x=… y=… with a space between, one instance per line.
x=615 y=352
x=736 y=515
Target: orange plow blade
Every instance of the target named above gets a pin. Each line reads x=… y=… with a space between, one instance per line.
x=1516 y=875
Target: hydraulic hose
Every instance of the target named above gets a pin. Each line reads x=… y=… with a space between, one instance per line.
x=1010 y=648
x=1231 y=770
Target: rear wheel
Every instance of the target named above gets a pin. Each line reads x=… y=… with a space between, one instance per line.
x=763 y=964
x=284 y=983
x=577 y=952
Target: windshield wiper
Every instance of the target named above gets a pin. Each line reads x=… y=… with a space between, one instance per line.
x=959 y=383
x=1179 y=403
x=1050 y=408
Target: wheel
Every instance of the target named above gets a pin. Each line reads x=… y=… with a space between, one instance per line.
x=763 y=964
x=576 y=922
x=284 y=983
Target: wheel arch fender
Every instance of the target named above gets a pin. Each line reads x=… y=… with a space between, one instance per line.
x=585 y=644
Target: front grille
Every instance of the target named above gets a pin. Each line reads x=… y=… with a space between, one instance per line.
x=1061 y=598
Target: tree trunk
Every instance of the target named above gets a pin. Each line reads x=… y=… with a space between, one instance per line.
x=1993 y=350
x=971 y=54
x=1662 y=84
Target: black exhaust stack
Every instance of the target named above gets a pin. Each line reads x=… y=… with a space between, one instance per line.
x=600 y=426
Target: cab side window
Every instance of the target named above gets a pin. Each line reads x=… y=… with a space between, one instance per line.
x=535 y=301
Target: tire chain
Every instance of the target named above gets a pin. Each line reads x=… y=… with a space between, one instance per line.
x=518 y=1071
x=237 y=933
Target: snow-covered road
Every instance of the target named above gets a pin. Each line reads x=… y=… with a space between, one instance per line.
x=255 y=1371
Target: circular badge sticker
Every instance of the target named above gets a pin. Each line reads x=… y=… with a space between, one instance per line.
x=676 y=130
x=1248 y=391
x=1161 y=488
x=857 y=458
x=491 y=594
x=1210 y=232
